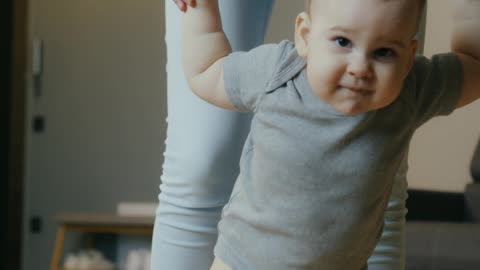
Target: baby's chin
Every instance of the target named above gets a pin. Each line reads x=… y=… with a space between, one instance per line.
x=350 y=108
x=355 y=107
x=351 y=112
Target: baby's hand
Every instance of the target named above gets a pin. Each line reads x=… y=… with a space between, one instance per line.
x=182 y=4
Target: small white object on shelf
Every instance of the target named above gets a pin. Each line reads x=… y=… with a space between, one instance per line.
x=138 y=259
x=87 y=260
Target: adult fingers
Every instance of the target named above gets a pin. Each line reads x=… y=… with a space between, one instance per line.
x=181 y=5
x=191 y=3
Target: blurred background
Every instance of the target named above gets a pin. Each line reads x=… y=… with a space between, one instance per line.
x=83 y=117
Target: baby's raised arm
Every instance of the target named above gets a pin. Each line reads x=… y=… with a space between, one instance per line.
x=204 y=48
x=466 y=44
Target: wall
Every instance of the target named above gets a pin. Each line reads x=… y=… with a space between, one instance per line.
x=104 y=104
x=442 y=149
x=282 y=23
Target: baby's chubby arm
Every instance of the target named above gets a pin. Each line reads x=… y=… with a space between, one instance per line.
x=204 y=48
x=466 y=44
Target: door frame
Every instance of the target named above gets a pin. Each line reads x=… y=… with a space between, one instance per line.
x=13 y=80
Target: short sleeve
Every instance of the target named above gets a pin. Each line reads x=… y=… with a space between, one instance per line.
x=434 y=86
x=247 y=74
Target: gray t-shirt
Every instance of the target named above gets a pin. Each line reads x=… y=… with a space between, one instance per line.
x=314 y=184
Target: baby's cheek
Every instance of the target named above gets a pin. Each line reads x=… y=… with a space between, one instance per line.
x=389 y=95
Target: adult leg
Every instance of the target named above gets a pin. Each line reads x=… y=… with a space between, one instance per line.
x=389 y=253
x=203 y=147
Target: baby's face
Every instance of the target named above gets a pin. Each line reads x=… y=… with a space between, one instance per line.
x=358 y=52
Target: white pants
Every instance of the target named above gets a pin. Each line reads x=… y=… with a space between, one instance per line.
x=203 y=147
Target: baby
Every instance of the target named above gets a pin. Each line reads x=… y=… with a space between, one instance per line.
x=334 y=113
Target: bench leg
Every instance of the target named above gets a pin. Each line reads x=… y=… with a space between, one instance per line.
x=57 y=251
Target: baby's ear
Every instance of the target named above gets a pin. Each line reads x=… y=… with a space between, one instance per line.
x=302 y=33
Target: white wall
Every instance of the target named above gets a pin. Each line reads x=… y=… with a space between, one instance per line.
x=442 y=149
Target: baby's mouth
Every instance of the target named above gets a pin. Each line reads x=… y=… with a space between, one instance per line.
x=358 y=90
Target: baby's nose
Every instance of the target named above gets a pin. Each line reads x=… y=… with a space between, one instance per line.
x=360 y=67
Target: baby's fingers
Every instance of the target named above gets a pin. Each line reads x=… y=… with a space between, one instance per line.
x=182 y=4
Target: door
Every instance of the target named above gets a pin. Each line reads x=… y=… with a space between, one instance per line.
x=96 y=112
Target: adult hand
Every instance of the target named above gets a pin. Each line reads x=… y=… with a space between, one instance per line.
x=182 y=4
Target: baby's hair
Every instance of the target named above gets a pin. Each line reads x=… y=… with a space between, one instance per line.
x=421 y=3
x=421 y=6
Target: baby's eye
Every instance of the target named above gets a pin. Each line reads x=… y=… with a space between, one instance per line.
x=385 y=53
x=343 y=42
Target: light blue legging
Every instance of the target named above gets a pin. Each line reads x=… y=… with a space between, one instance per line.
x=202 y=151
